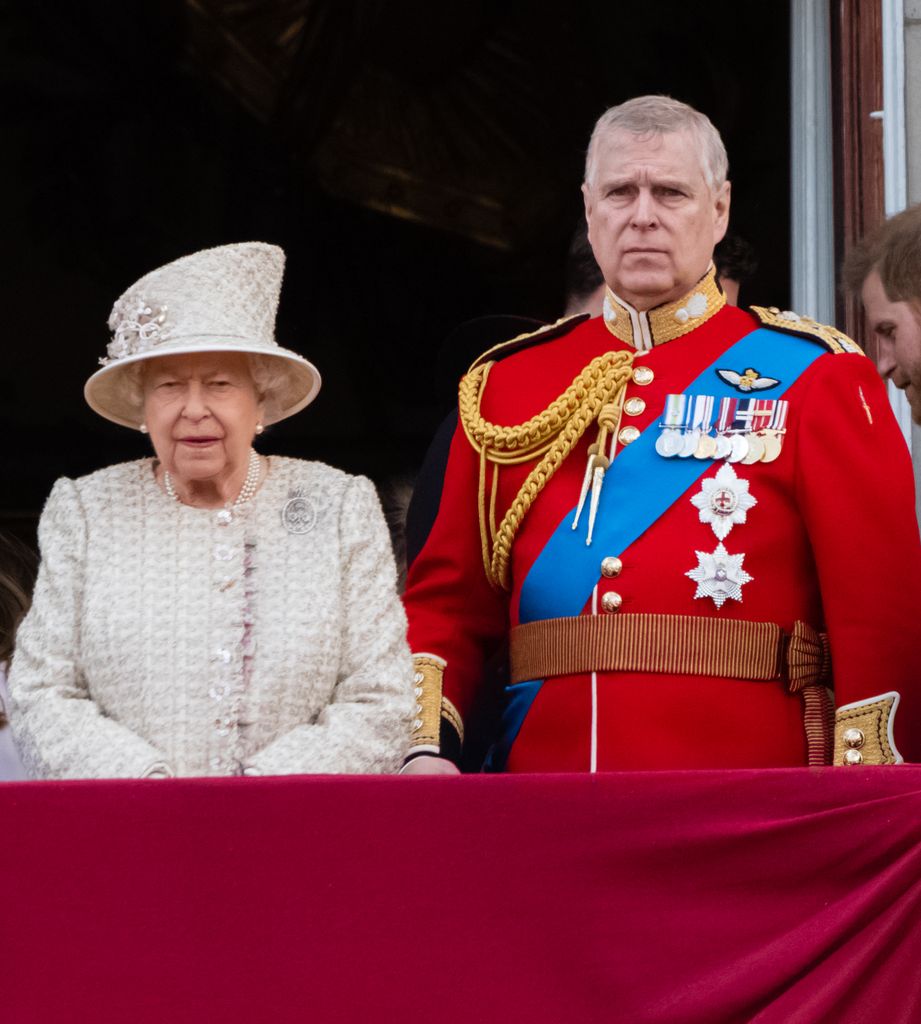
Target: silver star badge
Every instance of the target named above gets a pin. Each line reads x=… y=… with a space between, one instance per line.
x=723 y=501
x=719 y=576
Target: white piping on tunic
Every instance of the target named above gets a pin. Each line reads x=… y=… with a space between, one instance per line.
x=593 y=763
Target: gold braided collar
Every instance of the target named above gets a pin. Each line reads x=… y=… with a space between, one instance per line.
x=664 y=323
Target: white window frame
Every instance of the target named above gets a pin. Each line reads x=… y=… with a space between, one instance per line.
x=812 y=231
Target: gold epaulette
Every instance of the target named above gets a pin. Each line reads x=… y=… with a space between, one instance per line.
x=521 y=341
x=805 y=327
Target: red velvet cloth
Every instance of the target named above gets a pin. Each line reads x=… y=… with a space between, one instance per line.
x=786 y=895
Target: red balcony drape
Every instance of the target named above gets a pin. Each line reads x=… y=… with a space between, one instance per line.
x=790 y=895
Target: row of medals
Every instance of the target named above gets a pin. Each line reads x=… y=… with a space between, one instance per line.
x=738 y=446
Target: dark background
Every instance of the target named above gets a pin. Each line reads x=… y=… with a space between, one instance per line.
x=419 y=162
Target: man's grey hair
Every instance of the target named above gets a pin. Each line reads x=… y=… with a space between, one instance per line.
x=269 y=380
x=661 y=115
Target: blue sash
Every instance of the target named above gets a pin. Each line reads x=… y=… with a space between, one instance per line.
x=639 y=488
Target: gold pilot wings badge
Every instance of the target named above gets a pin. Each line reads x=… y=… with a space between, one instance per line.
x=748 y=380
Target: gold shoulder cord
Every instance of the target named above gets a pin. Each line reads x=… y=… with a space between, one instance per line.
x=550 y=435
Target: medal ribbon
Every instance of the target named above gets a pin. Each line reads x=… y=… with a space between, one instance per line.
x=673 y=416
x=744 y=412
x=762 y=414
x=779 y=419
x=703 y=414
x=727 y=414
x=690 y=409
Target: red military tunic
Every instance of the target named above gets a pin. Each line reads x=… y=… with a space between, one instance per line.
x=830 y=540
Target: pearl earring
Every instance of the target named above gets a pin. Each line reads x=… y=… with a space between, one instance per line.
x=143 y=428
x=259 y=428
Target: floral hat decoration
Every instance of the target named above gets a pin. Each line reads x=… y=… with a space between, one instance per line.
x=217 y=300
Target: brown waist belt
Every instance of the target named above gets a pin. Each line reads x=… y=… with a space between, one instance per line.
x=670 y=644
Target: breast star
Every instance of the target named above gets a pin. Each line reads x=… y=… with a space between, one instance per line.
x=723 y=501
x=719 y=576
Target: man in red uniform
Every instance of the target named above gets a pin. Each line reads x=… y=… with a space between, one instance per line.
x=694 y=524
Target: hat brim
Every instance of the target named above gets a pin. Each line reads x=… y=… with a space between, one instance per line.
x=105 y=390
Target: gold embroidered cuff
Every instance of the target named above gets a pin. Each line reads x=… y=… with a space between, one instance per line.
x=427 y=677
x=863 y=731
x=438 y=727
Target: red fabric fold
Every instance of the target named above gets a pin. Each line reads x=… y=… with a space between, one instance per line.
x=787 y=895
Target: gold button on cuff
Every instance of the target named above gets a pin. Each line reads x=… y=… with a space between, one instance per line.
x=611 y=566
x=634 y=406
x=853 y=738
x=628 y=435
x=611 y=601
x=643 y=375
x=853 y=757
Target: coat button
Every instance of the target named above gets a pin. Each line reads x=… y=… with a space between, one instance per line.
x=643 y=375
x=634 y=406
x=611 y=601
x=853 y=738
x=611 y=566
x=628 y=435
x=853 y=757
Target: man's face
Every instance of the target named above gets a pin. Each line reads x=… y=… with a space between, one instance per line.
x=652 y=220
x=897 y=328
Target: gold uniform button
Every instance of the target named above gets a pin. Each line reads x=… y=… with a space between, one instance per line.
x=611 y=566
x=643 y=375
x=853 y=757
x=853 y=738
x=634 y=406
x=611 y=601
x=628 y=435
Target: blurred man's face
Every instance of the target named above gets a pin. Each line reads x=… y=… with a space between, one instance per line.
x=652 y=219
x=897 y=328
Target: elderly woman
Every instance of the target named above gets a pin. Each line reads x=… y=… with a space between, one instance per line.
x=210 y=611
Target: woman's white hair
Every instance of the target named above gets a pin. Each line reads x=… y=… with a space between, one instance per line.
x=269 y=379
x=661 y=115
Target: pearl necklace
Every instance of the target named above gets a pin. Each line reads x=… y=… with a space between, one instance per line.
x=246 y=491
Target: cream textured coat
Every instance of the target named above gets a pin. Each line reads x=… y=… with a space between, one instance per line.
x=163 y=640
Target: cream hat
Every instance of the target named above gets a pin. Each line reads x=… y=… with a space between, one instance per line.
x=216 y=300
